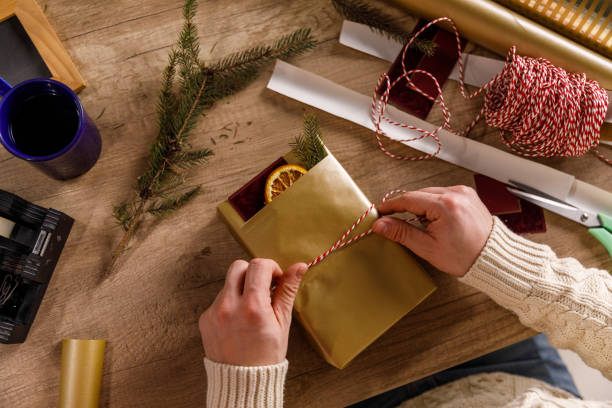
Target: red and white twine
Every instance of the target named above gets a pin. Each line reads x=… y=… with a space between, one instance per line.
x=342 y=242
x=540 y=109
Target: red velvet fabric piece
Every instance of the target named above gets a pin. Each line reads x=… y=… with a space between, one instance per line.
x=496 y=196
x=250 y=198
x=527 y=218
x=529 y=221
x=440 y=65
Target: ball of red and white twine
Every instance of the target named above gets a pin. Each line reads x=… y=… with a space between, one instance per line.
x=540 y=109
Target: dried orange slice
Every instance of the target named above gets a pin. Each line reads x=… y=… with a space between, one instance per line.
x=281 y=179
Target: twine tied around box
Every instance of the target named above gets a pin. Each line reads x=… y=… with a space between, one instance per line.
x=342 y=242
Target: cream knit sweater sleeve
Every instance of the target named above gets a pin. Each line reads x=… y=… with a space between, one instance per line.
x=232 y=386
x=570 y=303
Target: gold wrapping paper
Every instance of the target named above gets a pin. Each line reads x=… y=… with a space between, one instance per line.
x=497 y=28
x=352 y=297
x=81 y=374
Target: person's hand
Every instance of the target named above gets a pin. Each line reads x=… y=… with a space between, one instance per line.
x=458 y=229
x=245 y=325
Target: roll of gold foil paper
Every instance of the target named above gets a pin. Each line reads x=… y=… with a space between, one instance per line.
x=81 y=374
x=497 y=28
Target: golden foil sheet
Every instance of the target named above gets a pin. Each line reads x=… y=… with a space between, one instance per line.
x=352 y=297
x=589 y=26
x=81 y=374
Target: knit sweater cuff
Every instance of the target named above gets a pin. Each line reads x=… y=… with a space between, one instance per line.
x=245 y=387
x=508 y=266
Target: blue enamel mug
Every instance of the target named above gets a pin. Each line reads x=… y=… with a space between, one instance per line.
x=42 y=121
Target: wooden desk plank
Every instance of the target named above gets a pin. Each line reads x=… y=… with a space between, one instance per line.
x=148 y=310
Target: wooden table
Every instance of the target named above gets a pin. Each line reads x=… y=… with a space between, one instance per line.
x=148 y=310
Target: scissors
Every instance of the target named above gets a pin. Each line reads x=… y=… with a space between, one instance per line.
x=599 y=225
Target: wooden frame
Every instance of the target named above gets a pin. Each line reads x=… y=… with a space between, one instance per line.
x=44 y=39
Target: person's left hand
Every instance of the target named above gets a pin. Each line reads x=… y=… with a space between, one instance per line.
x=245 y=325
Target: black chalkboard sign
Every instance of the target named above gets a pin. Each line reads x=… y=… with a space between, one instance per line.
x=19 y=58
x=30 y=48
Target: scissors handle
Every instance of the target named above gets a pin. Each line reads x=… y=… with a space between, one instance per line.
x=604 y=233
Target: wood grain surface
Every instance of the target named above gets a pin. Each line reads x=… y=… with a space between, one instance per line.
x=148 y=310
x=7 y=9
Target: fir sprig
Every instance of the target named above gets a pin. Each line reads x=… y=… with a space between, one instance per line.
x=236 y=71
x=286 y=46
x=361 y=12
x=189 y=86
x=172 y=204
x=308 y=146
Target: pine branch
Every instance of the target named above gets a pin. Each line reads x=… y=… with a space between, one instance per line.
x=234 y=72
x=168 y=182
x=152 y=175
x=123 y=215
x=359 y=11
x=172 y=204
x=287 y=46
x=188 y=88
x=308 y=146
x=188 y=159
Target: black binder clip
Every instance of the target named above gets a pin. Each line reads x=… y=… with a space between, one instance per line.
x=31 y=241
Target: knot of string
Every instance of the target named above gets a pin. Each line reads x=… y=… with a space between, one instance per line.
x=540 y=109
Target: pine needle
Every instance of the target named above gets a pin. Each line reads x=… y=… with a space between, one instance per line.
x=172 y=204
x=188 y=88
x=188 y=159
x=234 y=72
x=287 y=46
x=361 y=12
x=308 y=146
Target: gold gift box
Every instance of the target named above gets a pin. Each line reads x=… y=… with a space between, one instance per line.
x=352 y=297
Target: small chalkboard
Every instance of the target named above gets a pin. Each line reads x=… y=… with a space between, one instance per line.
x=25 y=62
x=29 y=48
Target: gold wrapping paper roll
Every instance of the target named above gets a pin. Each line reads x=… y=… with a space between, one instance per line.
x=498 y=28
x=81 y=374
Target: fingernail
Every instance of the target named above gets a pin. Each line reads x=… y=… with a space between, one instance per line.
x=380 y=227
x=301 y=270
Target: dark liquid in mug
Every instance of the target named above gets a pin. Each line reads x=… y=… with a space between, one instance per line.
x=43 y=124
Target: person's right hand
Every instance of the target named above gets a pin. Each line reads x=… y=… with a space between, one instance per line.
x=458 y=229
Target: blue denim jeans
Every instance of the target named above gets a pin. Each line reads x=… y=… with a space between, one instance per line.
x=533 y=358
